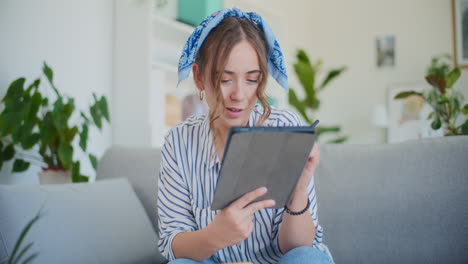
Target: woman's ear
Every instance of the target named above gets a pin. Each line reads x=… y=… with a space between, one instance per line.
x=197 y=77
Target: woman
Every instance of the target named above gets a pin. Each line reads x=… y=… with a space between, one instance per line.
x=231 y=54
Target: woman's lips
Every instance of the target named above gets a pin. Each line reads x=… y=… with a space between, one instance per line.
x=234 y=112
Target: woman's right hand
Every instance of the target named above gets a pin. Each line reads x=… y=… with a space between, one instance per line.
x=235 y=222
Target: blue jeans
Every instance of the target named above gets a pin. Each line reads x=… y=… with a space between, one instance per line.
x=299 y=255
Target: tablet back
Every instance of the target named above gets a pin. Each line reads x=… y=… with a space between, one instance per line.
x=263 y=156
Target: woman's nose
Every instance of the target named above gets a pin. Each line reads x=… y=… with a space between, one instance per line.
x=238 y=91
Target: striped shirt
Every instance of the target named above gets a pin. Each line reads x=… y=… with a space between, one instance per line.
x=187 y=181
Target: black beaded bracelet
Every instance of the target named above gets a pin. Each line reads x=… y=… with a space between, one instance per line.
x=297 y=213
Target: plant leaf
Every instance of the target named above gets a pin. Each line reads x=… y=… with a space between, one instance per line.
x=306 y=76
x=15 y=125
x=23 y=234
x=30 y=258
x=15 y=89
x=47 y=129
x=48 y=72
x=104 y=108
x=13 y=104
x=26 y=129
x=436 y=124
x=68 y=108
x=406 y=94
x=302 y=56
x=455 y=106
x=50 y=77
x=59 y=117
x=334 y=129
x=84 y=137
x=93 y=160
x=464 y=128
x=95 y=114
x=76 y=176
x=22 y=252
x=30 y=141
x=300 y=107
x=9 y=152
x=430 y=115
x=36 y=101
x=83 y=178
x=338 y=140
x=45 y=102
x=443 y=100
x=70 y=134
x=452 y=77
x=440 y=65
x=20 y=165
x=65 y=153
x=76 y=172
x=25 y=107
x=84 y=117
x=34 y=85
x=332 y=74
x=465 y=109
x=437 y=81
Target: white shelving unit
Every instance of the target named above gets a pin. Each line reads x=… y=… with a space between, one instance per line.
x=146 y=54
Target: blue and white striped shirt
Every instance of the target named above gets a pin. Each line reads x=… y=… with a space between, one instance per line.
x=187 y=180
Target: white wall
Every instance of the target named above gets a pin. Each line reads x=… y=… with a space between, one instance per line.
x=344 y=32
x=131 y=72
x=75 y=38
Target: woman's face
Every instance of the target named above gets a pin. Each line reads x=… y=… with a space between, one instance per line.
x=239 y=83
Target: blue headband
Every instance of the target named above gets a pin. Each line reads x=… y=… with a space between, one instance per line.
x=275 y=59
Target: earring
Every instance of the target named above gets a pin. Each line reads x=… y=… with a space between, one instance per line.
x=201 y=94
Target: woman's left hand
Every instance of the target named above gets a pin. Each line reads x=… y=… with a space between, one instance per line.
x=309 y=169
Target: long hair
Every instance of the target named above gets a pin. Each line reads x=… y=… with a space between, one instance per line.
x=213 y=56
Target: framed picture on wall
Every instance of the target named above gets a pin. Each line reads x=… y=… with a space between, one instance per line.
x=385 y=46
x=408 y=117
x=460 y=32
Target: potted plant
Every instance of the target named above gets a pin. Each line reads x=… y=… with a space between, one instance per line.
x=445 y=101
x=307 y=72
x=32 y=121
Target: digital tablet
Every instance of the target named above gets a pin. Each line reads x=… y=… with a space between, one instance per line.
x=273 y=157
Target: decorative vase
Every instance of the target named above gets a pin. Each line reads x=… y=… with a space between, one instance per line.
x=54 y=177
x=193 y=12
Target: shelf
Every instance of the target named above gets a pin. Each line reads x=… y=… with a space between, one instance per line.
x=169 y=37
x=171 y=30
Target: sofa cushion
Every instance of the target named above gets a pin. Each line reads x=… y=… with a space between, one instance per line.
x=141 y=167
x=395 y=203
x=102 y=222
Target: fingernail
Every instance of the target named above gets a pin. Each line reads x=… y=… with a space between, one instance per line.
x=272 y=203
x=263 y=189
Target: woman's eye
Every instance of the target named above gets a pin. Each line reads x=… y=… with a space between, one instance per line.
x=225 y=81
x=253 y=81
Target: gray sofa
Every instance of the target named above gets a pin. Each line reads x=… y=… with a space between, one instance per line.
x=393 y=203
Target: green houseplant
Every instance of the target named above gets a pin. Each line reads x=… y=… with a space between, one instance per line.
x=20 y=255
x=445 y=101
x=307 y=72
x=29 y=119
